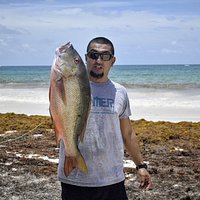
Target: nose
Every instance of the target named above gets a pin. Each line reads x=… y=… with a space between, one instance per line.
x=98 y=62
x=99 y=59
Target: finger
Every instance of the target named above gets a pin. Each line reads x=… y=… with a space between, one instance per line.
x=142 y=182
x=146 y=183
x=149 y=185
x=143 y=185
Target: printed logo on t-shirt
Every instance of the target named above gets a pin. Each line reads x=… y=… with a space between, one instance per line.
x=102 y=105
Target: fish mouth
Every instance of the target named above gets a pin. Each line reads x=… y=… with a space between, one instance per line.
x=69 y=44
x=64 y=47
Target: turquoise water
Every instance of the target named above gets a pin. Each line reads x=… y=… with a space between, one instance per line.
x=158 y=76
x=156 y=92
x=131 y=76
x=24 y=76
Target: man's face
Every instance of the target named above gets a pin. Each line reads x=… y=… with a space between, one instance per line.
x=99 y=61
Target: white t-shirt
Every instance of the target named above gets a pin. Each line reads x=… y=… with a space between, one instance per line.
x=102 y=148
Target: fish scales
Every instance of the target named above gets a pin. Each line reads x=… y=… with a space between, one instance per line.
x=69 y=96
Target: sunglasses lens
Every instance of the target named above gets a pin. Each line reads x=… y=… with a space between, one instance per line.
x=106 y=57
x=93 y=55
x=103 y=56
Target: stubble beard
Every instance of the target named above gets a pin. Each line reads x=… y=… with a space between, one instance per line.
x=95 y=75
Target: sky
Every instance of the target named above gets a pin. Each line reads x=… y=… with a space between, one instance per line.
x=142 y=31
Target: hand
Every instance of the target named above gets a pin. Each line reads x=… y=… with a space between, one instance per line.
x=145 y=179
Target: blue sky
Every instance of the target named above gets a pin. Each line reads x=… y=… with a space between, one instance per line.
x=143 y=31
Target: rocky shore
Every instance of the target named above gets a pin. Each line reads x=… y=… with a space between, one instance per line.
x=29 y=155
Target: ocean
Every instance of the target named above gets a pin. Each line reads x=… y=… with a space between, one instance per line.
x=156 y=92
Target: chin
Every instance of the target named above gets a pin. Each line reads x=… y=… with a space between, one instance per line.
x=96 y=75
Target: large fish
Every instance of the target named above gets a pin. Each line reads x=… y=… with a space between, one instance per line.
x=69 y=96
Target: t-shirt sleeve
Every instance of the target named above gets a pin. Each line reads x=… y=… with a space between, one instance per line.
x=126 y=111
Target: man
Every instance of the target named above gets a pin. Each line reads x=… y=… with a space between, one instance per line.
x=108 y=130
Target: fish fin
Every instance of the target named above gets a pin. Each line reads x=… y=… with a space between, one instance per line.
x=74 y=162
x=58 y=137
x=49 y=96
x=82 y=136
x=61 y=89
x=81 y=165
x=54 y=124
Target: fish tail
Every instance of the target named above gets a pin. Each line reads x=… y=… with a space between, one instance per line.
x=75 y=162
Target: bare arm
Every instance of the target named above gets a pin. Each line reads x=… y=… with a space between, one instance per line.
x=132 y=146
x=131 y=141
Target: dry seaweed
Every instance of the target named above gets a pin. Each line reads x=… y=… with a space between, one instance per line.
x=172 y=150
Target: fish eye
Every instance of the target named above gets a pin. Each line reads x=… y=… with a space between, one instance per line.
x=76 y=60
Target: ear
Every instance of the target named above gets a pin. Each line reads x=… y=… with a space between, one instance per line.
x=113 y=60
x=85 y=57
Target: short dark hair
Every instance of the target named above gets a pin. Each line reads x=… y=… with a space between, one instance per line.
x=101 y=40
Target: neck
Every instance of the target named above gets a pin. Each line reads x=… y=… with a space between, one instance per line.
x=99 y=80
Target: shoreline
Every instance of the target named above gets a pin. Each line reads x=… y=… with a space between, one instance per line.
x=150 y=113
x=149 y=104
x=165 y=105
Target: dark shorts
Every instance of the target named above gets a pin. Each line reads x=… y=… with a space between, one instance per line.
x=112 y=192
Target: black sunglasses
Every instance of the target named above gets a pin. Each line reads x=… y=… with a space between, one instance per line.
x=95 y=55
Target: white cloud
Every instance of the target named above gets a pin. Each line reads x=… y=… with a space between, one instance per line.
x=3 y=42
x=169 y=51
x=130 y=25
x=174 y=42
